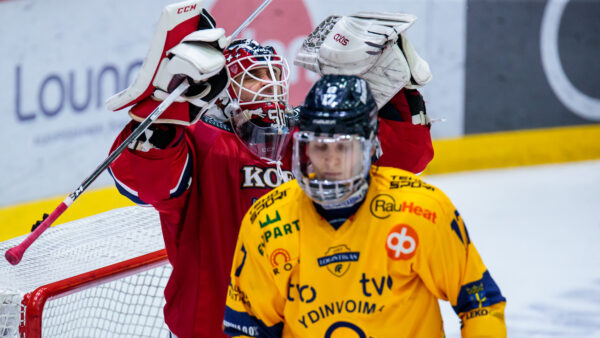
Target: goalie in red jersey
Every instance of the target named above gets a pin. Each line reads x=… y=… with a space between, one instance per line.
x=218 y=148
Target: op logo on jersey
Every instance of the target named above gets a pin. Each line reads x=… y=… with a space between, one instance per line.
x=338 y=259
x=402 y=242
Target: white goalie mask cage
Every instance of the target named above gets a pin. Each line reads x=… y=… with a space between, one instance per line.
x=258 y=98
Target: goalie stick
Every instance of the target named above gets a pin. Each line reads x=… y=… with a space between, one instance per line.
x=15 y=254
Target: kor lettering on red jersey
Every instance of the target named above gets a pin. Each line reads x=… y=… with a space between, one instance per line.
x=255 y=177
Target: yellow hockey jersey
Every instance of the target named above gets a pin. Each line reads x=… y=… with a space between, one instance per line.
x=378 y=275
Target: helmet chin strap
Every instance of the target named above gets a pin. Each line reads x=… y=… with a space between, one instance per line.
x=377 y=146
x=356 y=197
x=278 y=169
x=232 y=107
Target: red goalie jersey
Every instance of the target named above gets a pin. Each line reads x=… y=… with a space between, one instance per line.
x=203 y=183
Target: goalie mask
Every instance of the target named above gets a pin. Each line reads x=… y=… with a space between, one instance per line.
x=335 y=140
x=258 y=96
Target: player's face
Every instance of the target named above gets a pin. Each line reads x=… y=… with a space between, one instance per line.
x=257 y=84
x=335 y=160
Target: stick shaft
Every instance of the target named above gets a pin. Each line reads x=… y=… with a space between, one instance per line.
x=133 y=136
x=14 y=255
x=248 y=20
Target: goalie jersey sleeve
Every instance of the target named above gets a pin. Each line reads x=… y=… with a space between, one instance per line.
x=379 y=275
x=404 y=132
x=200 y=222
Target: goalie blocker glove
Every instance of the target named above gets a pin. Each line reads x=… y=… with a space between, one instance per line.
x=37 y=223
x=186 y=44
x=370 y=45
x=157 y=136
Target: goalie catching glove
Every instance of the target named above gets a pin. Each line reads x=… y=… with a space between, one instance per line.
x=370 y=45
x=186 y=44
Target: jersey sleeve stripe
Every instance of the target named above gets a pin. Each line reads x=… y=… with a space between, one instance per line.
x=242 y=324
x=127 y=191
x=184 y=179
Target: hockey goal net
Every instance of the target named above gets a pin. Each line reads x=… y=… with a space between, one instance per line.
x=101 y=276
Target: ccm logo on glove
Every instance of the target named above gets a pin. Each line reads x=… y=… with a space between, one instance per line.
x=341 y=39
x=186 y=9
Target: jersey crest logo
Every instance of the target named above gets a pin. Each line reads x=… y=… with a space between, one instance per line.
x=337 y=259
x=402 y=242
x=477 y=295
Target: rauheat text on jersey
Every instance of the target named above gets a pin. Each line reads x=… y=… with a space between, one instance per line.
x=383 y=205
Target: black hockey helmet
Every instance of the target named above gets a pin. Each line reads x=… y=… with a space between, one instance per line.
x=335 y=141
x=339 y=104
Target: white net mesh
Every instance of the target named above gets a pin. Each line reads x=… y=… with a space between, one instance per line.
x=126 y=307
x=10 y=313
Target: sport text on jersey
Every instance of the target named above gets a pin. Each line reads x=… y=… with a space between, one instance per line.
x=265 y=202
x=399 y=182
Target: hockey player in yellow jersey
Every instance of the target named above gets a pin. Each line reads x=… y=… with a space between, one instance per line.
x=351 y=249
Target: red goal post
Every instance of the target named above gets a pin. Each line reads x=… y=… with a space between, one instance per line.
x=101 y=276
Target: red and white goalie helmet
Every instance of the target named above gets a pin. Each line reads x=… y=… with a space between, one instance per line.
x=258 y=93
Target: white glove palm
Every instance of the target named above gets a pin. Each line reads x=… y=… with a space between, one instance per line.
x=195 y=58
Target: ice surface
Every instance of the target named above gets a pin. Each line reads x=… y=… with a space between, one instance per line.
x=538 y=231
